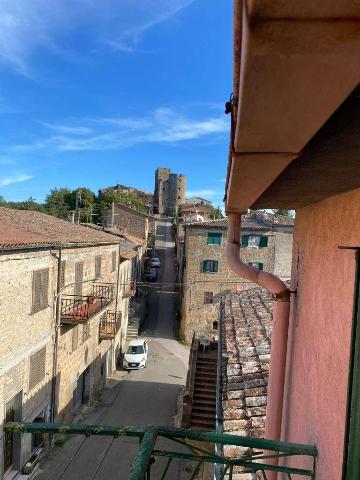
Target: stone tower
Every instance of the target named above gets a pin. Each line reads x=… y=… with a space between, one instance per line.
x=169 y=191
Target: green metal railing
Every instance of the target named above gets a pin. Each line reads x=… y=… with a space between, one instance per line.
x=265 y=459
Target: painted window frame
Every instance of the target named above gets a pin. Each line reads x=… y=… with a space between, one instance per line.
x=213 y=235
x=207 y=262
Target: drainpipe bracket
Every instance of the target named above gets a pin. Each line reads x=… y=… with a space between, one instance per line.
x=283 y=296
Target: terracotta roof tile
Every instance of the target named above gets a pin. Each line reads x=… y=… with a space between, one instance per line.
x=246 y=331
x=28 y=228
x=249 y=221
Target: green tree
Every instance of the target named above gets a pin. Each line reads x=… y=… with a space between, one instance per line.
x=86 y=198
x=112 y=196
x=283 y=211
x=59 y=202
x=216 y=213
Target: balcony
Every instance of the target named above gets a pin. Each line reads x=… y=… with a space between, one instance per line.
x=197 y=449
x=109 y=325
x=129 y=289
x=80 y=308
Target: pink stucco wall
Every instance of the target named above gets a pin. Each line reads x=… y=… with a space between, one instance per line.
x=320 y=328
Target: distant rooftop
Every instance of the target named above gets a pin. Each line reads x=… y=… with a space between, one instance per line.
x=251 y=221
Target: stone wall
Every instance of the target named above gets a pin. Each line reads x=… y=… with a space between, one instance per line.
x=23 y=334
x=170 y=189
x=195 y=314
x=90 y=353
x=126 y=219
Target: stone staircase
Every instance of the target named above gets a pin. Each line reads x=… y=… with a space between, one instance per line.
x=203 y=412
x=132 y=331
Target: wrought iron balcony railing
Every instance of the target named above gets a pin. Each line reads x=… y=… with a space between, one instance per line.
x=268 y=452
x=129 y=289
x=80 y=308
x=103 y=291
x=109 y=325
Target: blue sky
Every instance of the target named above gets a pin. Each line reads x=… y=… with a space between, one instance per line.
x=98 y=93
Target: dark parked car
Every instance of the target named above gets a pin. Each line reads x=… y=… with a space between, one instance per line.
x=151 y=275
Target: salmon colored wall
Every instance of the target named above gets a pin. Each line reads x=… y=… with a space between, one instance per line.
x=320 y=328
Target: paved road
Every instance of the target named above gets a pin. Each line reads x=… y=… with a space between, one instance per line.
x=147 y=396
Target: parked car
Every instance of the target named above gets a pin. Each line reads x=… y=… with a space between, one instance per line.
x=151 y=275
x=154 y=262
x=136 y=355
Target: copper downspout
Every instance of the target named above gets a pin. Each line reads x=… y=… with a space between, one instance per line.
x=280 y=324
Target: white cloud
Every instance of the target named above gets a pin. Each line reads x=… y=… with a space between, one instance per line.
x=29 y=26
x=128 y=39
x=203 y=192
x=164 y=125
x=14 y=179
x=72 y=130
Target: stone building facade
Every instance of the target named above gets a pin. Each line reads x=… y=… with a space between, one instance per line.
x=169 y=192
x=134 y=226
x=203 y=269
x=39 y=255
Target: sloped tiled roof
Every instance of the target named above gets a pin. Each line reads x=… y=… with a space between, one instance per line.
x=127 y=246
x=28 y=228
x=246 y=343
x=250 y=221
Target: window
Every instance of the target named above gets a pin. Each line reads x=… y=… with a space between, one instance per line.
x=97 y=266
x=62 y=274
x=254 y=241
x=113 y=261
x=40 y=290
x=258 y=265
x=75 y=337
x=208 y=297
x=210 y=266
x=37 y=368
x=215 y=325
x=79 y=276
x=214 y=238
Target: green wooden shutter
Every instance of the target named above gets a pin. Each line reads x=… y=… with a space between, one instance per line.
x=204 y=266
x=40 y=290
x=37 y=368
x=263 y=241
x=245 y=240
x=261 y=266
x=216 y=266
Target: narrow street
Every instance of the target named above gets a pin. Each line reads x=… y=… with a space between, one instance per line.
x=147 y=396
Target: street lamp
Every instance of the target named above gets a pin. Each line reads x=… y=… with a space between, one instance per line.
x=57 y=306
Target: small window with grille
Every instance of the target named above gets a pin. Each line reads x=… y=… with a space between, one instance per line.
x=40 y=290
x=98 y=266
x=37 y=368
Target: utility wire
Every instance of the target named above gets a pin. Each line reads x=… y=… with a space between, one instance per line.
x=72 y=458
x=103 y=458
